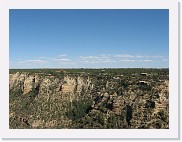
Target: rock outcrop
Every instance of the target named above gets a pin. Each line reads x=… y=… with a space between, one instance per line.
x=79 y=101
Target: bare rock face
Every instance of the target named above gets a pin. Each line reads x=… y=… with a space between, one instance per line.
x=82 y=83
x=78 y=83
x=46 y=87
x=48 y=84
x=69 y=85
x=28 y=84
x=17 y=81
x=82 y=101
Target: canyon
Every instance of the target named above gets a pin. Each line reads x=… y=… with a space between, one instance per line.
x=89 y=99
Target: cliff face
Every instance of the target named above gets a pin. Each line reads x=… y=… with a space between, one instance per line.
x=26 y=83
x=86 y=101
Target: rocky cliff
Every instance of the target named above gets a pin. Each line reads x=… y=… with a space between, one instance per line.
x=40 y=100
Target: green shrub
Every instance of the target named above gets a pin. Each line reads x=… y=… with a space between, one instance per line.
x=78 y=109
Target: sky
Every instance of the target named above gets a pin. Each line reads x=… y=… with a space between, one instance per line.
x=110 y=38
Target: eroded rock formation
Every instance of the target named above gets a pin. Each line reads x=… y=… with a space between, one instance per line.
x=87 y=101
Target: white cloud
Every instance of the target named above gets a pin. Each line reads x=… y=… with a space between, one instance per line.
x=157 y=56
x=139 y=56
x=108 y=61
x=114 y=58
x=36 y=61
x=144 y=60
x=105 y=56
x=89 y=57
x=127 y=60
x=30 y=61
x=87 y=61
x=136 y=56
x=63 y=59
x=147 y=60
x=58 y=58
x=124 y=56
x=62 y=55
x=20 y=62
x=96 y=60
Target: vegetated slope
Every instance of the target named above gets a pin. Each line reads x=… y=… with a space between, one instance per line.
x=89 y=98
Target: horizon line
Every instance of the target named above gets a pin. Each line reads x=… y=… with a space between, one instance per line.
x=99 y=68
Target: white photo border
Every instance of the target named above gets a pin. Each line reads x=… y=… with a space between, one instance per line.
x=171 y=133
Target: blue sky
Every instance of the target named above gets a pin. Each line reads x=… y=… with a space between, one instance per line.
x=89 y=38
